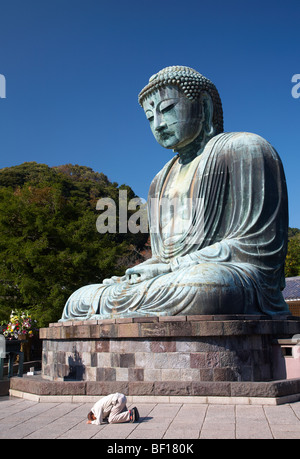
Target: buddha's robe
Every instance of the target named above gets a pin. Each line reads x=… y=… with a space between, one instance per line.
x=225 y=238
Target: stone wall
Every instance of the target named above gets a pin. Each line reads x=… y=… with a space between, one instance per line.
x=166 y=350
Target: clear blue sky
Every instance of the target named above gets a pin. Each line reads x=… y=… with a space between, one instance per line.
x=74 y=68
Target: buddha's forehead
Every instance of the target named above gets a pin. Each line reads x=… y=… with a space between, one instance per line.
x=161 y=94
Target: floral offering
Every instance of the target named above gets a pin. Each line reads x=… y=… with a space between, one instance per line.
x=21 y=324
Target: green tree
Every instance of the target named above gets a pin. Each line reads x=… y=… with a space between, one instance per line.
x=49 y=245
x=292 y=261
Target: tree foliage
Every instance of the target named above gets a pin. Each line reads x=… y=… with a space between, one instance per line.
x=292 y=261
x=49 y=245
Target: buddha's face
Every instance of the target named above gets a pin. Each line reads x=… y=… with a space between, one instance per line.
x=174 y=119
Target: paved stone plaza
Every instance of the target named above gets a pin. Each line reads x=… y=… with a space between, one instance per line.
x=21 y=418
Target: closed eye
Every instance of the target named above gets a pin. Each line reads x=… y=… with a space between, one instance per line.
x=166 y=109
x=149 y=115
x=167 y=105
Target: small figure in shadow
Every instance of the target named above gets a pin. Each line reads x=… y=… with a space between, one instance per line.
x=76 y=368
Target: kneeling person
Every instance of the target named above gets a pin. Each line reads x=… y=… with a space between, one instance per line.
x=113 y=409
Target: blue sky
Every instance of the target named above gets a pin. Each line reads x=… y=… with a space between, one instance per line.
x=74 y=68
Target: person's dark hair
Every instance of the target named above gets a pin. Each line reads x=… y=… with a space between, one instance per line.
x=90 y=416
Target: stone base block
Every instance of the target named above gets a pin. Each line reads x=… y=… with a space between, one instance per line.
x=4 y=387
x=272 y=392
x=154 y=355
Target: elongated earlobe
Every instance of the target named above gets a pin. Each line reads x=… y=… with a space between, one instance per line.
x=208 y=110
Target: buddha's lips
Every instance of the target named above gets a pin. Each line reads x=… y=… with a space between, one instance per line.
x=165 y=135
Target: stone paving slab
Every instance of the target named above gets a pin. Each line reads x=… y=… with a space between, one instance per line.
x=21 y=418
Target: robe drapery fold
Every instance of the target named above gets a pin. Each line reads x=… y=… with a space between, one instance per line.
x=229 y=256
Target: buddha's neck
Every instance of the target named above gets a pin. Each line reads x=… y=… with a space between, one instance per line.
x=186 y=155
x=192 y=150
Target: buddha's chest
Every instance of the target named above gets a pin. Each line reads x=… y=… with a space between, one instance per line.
x=176 y=198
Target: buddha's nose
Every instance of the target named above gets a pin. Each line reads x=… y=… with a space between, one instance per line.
x=161 y=125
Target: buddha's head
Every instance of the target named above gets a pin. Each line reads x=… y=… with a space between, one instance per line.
x=182 y=107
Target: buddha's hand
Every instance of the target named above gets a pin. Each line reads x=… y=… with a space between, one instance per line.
x=113 y=280
x=117 y=279
x=143 y=272
x=182 y=263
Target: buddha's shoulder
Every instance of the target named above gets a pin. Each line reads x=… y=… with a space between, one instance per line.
x=239 y=138
x=243 y=143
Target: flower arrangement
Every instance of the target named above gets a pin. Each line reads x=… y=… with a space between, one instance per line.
x=20 y=325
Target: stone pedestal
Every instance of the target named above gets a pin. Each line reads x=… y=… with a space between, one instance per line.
x=165 y=355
